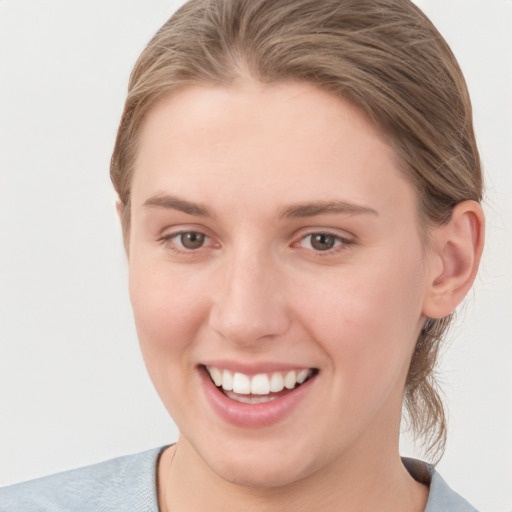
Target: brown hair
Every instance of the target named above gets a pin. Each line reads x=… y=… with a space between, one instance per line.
x=384 y=56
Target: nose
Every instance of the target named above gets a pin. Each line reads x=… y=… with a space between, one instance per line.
x=250 y=305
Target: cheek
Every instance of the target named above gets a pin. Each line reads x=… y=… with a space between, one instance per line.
x=367 y=320
x=169 y=309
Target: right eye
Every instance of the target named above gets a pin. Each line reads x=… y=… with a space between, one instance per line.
x=185 y=241
x=190 y=239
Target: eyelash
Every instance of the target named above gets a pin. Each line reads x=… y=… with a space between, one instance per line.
x=341 y=243
x=168 y=243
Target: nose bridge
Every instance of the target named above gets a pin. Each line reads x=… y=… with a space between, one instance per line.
x=250 y=304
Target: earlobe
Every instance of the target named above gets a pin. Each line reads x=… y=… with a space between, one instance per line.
x=457 y=248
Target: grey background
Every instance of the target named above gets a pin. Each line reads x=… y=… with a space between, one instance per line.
x=73 y=389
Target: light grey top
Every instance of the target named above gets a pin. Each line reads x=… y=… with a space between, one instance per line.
x=129 y=483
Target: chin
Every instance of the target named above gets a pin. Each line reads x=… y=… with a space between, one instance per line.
x=271 y=474
x=259 y=468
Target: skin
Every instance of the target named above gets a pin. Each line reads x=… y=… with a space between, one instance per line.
x=258 y=291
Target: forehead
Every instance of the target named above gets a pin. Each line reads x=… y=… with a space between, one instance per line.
x=275 y=109
x=285 y=142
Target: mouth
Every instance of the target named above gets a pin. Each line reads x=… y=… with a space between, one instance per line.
x=261 y=387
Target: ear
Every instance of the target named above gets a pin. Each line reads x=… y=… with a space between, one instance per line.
x=453 y=263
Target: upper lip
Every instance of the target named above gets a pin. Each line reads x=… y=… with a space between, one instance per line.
x=254 y=368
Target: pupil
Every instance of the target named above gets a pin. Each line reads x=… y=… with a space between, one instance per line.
x=192 y=240
x=322 y=242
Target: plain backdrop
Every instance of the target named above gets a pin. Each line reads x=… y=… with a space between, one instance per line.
x=73 y=388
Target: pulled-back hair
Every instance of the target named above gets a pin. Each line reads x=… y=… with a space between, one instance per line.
x=384 y=56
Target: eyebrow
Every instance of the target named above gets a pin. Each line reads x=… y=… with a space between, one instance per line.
x=325 y=207
x=176 y=203
x=300 y=210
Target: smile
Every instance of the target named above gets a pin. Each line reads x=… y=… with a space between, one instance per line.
x=259 y=388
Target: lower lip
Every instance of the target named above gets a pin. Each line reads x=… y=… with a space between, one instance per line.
x=253 y=415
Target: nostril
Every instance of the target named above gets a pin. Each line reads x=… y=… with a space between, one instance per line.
x=248 y=306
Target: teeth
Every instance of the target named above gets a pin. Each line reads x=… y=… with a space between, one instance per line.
x=227 y=380
x=302 y=376
x=276 y=383
x=261 y=384
x=290 y=380
x=241 y=384
x=216 y=375
x=250 y=399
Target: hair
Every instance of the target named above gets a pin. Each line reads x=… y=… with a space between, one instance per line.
x=385 y=57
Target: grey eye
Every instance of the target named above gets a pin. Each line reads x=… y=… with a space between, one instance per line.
x=322 y=241
x=192 y=240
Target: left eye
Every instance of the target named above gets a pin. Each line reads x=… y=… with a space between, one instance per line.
x=321 y=241
x=192 y=240
x=189 y=240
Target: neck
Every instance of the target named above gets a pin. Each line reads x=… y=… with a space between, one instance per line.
x=379 y=482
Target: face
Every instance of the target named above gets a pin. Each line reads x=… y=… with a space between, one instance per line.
x=277 y=278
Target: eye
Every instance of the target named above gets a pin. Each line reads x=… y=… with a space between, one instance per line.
x=191 y=239
x=323 y=242
x=185 y=241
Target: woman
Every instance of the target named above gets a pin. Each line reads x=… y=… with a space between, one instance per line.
x=299 y=191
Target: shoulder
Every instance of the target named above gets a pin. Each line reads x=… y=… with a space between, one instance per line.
x=441 y=497
x=124 y=483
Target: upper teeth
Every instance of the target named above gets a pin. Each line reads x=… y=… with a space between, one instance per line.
x=259 y=384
